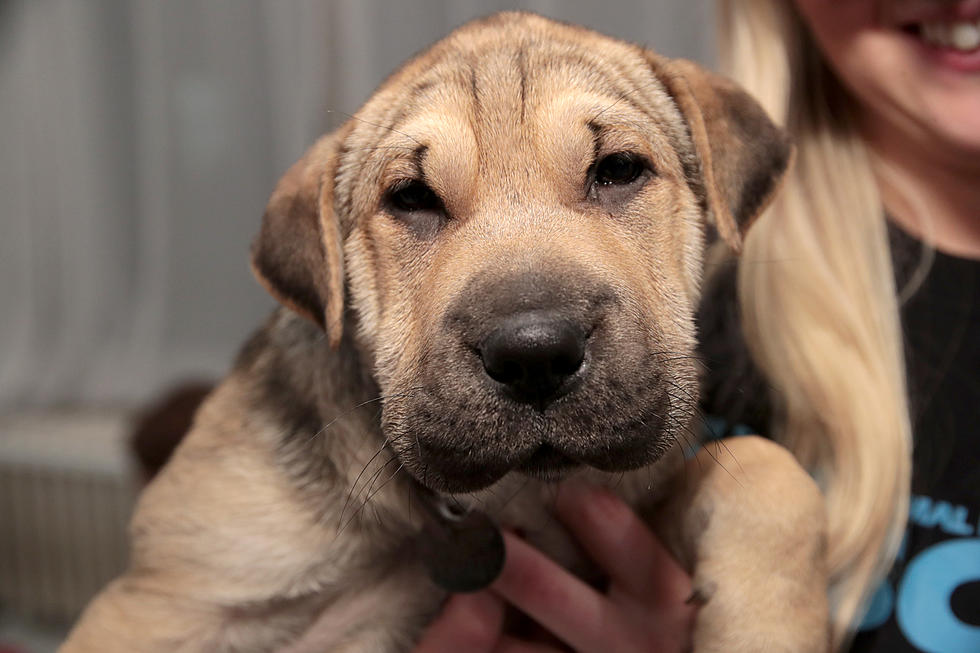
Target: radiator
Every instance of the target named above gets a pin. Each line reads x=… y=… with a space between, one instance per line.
x=66 y=491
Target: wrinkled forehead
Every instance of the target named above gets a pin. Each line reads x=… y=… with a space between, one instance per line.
x=483 y=95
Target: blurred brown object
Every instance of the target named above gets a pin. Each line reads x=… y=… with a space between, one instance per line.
x=159 y=428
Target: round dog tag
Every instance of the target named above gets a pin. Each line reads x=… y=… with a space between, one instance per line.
x=463 y=552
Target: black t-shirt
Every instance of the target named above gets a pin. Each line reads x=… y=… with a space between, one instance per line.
x=931 y=599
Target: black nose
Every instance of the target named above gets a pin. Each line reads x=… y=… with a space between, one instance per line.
x=533 y=354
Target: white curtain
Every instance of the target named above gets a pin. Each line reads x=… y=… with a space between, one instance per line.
x=139 y=140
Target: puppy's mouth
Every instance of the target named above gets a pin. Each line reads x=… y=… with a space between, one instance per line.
x=442 y=470
x=463 y=457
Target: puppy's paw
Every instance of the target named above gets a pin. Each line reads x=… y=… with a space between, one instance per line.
x=777 y=614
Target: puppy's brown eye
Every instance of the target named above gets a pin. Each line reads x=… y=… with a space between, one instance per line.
x=413 y=195
x=413 y=204
x=619 y=169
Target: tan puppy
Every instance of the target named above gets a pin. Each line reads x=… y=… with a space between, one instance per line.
x=514 y=223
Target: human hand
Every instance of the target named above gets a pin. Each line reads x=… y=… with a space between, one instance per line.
x=644 y=607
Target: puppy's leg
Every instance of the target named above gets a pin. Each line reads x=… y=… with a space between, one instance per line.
x=128 y=617
x=750 y=523
x=228 y=554
x=222 y=560
x=384 y=617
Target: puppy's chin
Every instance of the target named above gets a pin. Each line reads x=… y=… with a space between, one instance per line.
x=548 y=464
x=452 y=465
x=453 y=481
x=544 y=464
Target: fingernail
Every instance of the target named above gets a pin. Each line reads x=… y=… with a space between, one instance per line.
x=701 y=595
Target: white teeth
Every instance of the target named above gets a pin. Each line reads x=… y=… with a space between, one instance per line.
x=966 y=36
x=961 y=35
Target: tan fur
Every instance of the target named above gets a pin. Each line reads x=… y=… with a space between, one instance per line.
x=293 y=495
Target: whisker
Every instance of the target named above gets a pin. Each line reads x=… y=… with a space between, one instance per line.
x=350 y=493
x=383 y=484
x=383 y=147
x=676 y=356
x=374 y=124
x=371 y=495
x=707 y=449
x=351 y=410
x=515 y=493
x=627 y=94
x=619 y=480
x=731 y=454
x=692 y=449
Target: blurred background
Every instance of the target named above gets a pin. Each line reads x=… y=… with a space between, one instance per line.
x=139 y=141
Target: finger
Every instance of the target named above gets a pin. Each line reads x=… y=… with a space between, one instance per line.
x=512 y=645
x=552 y=596
x=469 y=622
x=622 y=545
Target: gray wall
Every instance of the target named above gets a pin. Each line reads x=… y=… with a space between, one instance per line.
x=139 y=140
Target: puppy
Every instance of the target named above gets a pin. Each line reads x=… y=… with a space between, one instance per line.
x=489 y=276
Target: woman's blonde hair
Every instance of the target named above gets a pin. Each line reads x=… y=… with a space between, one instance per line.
x=818 y=302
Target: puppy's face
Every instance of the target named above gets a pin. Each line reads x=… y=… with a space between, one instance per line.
x=521 y=212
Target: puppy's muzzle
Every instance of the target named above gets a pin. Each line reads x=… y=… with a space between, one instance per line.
x=540 y=370
x=535 y=356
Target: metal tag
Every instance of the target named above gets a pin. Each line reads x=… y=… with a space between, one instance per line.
x=462 y=551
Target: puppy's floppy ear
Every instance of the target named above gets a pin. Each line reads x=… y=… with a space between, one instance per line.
x=298 y=254
x=743 y=155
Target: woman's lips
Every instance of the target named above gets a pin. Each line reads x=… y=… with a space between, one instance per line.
x=954 y=45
